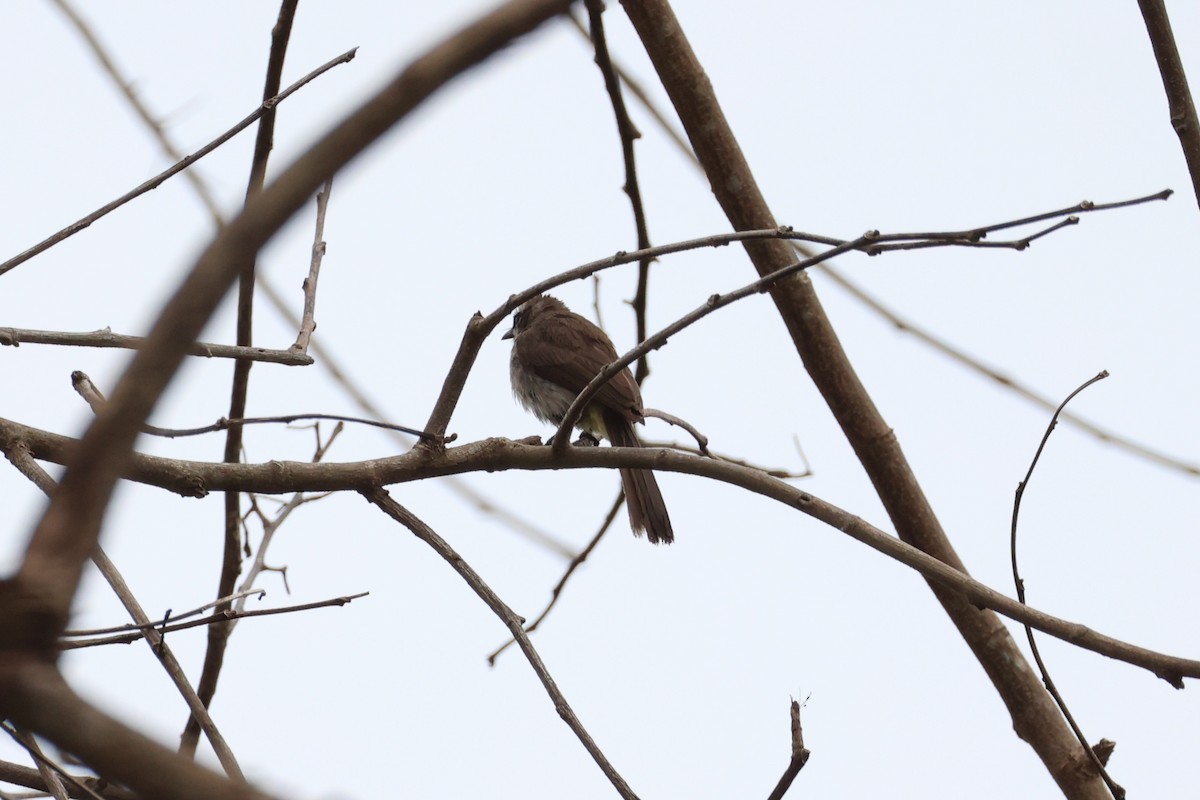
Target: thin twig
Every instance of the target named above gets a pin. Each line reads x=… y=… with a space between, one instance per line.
x=671 y=419
x=307 y=322
x=384 y=501
x=15 y=337
x=640 y=93
x=271 y=526
x=175 y=169
x=629 y=134
x=1019 y=582
x=774 y=472
x=133 y=626
x=87 y=389
x=247 y=262
x=576 y=562
x=225 y=424
x=800 y=755
x=212 y=619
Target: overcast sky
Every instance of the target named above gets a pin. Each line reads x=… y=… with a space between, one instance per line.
x=680 y=661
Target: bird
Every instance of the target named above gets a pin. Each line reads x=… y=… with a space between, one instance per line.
x=555 y=354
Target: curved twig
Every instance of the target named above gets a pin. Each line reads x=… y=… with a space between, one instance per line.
x=1117 y=790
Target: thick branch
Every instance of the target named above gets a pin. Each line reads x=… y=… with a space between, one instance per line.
x=494 y=455
x=1035 y=717
x=41 y=700
x=1175 y=84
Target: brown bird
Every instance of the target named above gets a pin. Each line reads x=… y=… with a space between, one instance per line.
x=555 y=354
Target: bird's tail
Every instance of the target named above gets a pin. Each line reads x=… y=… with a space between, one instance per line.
x=647 y=511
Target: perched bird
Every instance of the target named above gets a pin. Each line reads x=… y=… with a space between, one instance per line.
x=555 y=354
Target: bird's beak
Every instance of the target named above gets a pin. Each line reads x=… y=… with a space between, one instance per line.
x=508 y=335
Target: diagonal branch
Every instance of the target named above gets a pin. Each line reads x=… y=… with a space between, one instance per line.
x=173 y=170
x=23 y=461
x=575 y=564
x=515 y=624
x=1035 y=717
x=1175 y=84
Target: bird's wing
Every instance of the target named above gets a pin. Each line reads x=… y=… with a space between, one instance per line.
x=572 y=356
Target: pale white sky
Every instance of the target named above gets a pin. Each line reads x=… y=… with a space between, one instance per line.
x=681 y=660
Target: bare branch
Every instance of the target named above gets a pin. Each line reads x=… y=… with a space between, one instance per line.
x=572 y=414
x=774 y=472
x=800 y=755
x=494 y=455
x=576 y=562
x=479 y=327
x=220 y=617
x=307 y=322
x=1175 y=83
x=671 y=419
x=24 y=462
x=15 y=337
x=40 y=695
x=1035 y=718
x=80 y=786
x=264 y=142
x=87 y=389
x=48 y=770
x=162 y=623
x=384 y=501
x=225 y=424
x=175 y=169
x=1117 y=790
x=629 y=134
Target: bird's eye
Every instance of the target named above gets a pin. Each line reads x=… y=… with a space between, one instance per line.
x=519 y=319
